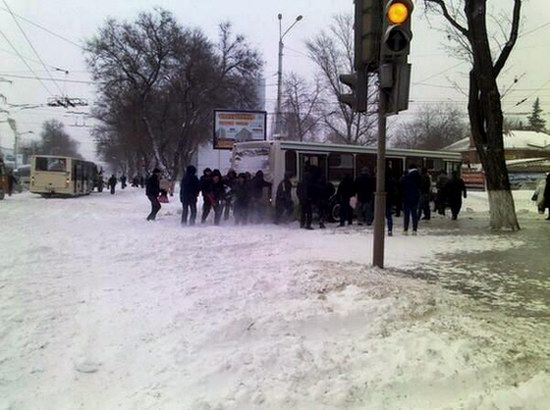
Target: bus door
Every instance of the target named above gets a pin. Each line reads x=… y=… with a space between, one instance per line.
x=340 y=164
x=312 y=159
x=396 y=166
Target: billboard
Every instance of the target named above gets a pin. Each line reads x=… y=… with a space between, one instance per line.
x=238 y=126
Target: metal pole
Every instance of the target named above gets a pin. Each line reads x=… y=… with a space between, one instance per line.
x=380 y=196
x=15 y=148
x=279 y=85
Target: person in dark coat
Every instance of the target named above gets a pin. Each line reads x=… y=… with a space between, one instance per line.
x=547 y=195
x=425 y=194
x=206 y=189
x=317 y=190
x=441 y=196
x=123 y=181
x=303 y=191
x=410 y=188
x=325 y=191
x=12 y=181
x=283 y=199
x=345 y=191
x=365 y=187
x=241 y=199
x=257 y=202
x=456 y=189
x=189 y=191
x=217 y=195
x=152 y=190
x=392 y=198
x=112 y=184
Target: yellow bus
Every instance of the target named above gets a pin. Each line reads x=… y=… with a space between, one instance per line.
x=53 y=175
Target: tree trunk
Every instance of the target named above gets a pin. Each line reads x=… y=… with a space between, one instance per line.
x=486 y=121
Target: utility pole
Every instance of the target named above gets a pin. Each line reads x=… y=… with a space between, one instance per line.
x=382 y=43
x=280 y=70
x=394 y=82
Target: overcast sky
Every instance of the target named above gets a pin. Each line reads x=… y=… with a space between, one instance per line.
x=435 y=72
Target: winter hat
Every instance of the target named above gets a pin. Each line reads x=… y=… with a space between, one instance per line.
x=156 y=171
x=191 y=170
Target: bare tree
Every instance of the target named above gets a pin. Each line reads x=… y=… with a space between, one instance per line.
x=301 y=102
x=56 y=141
x=158 y=84
x=434 y=127
x=488 y=55
x=333 y=52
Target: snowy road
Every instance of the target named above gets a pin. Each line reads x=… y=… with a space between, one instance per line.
x=100 y=309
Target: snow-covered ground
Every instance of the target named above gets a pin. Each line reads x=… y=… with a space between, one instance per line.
x=100 y=309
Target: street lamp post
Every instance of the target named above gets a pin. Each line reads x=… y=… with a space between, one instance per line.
x=280 y=70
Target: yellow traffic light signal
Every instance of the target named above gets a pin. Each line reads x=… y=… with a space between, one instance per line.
x=396 y=30
x=397 y=13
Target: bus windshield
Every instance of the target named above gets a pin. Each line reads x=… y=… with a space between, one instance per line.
x=51 y=164
x=252 y=160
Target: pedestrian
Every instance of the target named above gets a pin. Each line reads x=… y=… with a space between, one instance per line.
x=112 y=184
x=547 y=195
x=441 y=196
x=229 y=182
x=152 y=190
x=164 y=189
x=284 y=207
x=456 y=189
x=410 y=188
x=365 y=187
x=346 y=190
x=257 y=198
x=392 y=198
x=425 y=195
x=241 y=198
x=217 y=194
x=303 y=191
x=325 y=192
x=123 y=181
x=189 y=191
x=538 y=196
x=206 y=190
x=12 y=181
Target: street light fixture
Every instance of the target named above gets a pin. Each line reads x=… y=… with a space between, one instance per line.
x=280 y=70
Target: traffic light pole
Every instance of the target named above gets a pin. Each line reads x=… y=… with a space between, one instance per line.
x=380 y=195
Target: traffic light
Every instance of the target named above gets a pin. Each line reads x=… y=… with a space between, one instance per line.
x=357 y=99
x=396 y=31
x=367 y=28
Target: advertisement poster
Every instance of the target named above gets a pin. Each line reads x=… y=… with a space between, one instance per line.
x=238 y=126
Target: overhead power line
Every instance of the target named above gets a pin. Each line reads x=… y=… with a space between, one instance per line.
x=25 y=62
x=33 y=60
x=46 y=30
x=32 y=47
x=26 y=77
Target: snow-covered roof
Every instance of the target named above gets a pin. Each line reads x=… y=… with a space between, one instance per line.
x=459 y=146
x=512 y=140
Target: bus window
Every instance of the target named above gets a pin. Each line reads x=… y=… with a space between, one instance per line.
x=291 y=163
x=365 y=160
x=50 y=164
x=416 y=161
x=396 y=166
x=252 y=160
x=318 y=160
x=339 y=165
